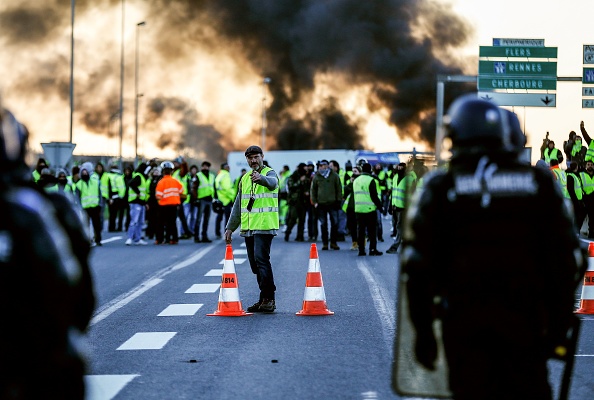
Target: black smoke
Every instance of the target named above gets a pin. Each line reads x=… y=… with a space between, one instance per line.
x=396 y=46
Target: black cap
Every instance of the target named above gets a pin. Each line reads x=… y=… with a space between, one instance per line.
x=253 y=150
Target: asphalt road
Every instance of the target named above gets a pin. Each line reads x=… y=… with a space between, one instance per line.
x=150 y=337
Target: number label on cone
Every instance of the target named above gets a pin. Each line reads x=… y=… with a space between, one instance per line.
x=229 y=280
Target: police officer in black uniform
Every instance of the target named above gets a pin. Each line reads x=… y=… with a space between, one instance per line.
x=46 y=293
x=489 y=249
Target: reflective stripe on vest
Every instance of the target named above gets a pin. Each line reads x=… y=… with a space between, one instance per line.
x=550 y=154
x=264 y=213
x=142 y=188
x=205 y=185
x=89 y=193
x=562 y=180
x=399 y=191
x=577 y=185
x=587 y=183
x=225 y=191
x=363 y=202
x=590 y=152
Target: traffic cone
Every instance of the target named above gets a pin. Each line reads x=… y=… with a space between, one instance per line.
x=229 y=303
x=587 y=301
x=314 y=298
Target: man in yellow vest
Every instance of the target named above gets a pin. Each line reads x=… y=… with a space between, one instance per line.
x=225 y=194
x=587 y=177
x=255 y=212
x=552 y=153
x=367 y=202
x=137 y=198
x=116 y=189
x=89 y=193
x=576 y=193
x=205 y=193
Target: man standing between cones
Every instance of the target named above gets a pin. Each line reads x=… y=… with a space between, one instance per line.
x=255 y=211
x=502 y=316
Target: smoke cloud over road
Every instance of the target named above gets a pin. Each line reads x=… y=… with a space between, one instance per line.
x=333 y=65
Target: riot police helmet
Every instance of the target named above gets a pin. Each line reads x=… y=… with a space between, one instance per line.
x=475 y=125
x=167 y=165
x=13 y=144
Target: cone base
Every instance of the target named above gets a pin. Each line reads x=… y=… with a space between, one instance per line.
x=313 y=313
x=229 y=314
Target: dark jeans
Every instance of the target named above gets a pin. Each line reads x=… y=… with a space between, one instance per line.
x=94 y=214
x=324 y=211
x=184 y=221
x=116 y=214
x=258 y=251
x=312 y=221
x=367 y=222
x=202 y=219
x=226 y=213
x=352 y=224
x=296 y=215
x=397 y=223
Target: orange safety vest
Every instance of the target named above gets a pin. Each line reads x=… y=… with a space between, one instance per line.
x=168 y=191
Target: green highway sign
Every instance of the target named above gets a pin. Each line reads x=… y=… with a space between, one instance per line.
x=516 y=83
x=515 y=52
x=517 y=68
x=520 y=99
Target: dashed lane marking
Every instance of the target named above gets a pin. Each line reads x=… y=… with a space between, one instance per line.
x=203 y=288
x=240 y=251
x=176 y=310
x=105 y=387
x=109 y=308
x=235 y=261
x=147 y=341
x=215 y=272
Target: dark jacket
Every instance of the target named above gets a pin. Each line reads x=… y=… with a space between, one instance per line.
x=326 y=191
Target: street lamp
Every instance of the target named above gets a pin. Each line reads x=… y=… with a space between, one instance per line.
x=122 y=82
x=265 y=82
x=136 y=94
x=72 y=4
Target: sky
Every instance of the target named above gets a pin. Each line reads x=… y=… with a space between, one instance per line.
x=566 y=25
x=344 y=74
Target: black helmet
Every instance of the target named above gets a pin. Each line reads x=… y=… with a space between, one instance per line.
x=475 y=126
x=13 y=144
x=517 y=138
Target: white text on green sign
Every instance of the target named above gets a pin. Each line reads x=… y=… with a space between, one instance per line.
x=517 y=68
x=490 y=83
x=515 y=52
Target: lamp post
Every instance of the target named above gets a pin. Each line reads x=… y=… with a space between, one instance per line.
x=265 y=82
x=136 y=94
x=122 y=83
x=72 y=3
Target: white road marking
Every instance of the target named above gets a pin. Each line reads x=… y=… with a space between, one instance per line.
x=215 y=272
x=240 y=251
x=383 y=302
x=235 y=260
x=175 y=310
x=105 y=387
x=147 y=341
x=109 y=308
x=203 y=288
x=111 y=239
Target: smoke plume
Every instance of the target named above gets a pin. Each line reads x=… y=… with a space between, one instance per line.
x=331 y=64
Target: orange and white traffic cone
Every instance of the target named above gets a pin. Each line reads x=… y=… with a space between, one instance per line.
x=314 y=298
x=587 y=301
x=229 y=303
